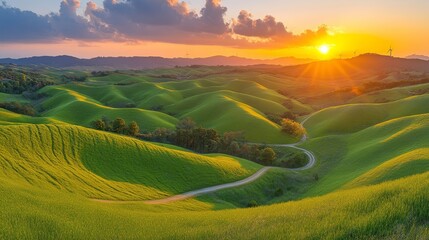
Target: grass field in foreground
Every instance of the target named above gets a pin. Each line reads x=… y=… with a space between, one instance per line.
x=394 y=210
x=107 y=166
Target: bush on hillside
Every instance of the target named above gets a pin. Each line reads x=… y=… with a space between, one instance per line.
x=133 y=129
x=268 y=156
x=119 y=126
x=293 y=128
x=252 y=203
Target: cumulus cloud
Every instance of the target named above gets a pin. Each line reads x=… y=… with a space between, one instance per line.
x=23 y=26
x=211 y=19
x=141 y=18
x=267 y=27
x=149 y=20
x=71 y=25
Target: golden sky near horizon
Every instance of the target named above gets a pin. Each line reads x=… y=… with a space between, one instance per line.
x=182 y=30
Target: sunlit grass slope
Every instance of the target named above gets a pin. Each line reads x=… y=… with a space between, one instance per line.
x=223 y=112
x=9 y=118
x=386 y=151
x=393 y=94
x=72 y=107
x=409 y=163
x=214 y=102
x=352 y=118
x=101 y=165
x=393 y=210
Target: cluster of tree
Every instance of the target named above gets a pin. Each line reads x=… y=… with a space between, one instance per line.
x=18 y=81
x=188 y=135
x=205 y=140
x=34 y=95
x=21 y=108
x=278 y=118
x=294 y=161
x=117 y=126
x=293 y=128
x=73 y=78
x=100 y=73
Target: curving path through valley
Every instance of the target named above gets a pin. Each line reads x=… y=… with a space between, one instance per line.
x=258 y=174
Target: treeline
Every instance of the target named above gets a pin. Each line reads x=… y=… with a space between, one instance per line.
x=21 y=108
x=117 y=126
x=100 y=73
x=188 y=135
x=206 y=140
x=17 y=81
x=73 y=78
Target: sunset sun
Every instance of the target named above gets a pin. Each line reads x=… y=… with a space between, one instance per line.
x=324 y=49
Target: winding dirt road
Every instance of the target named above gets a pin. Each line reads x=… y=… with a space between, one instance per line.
x=258 y=174
x=195 y=193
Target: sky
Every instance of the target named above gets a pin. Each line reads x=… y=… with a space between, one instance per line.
x=200 y=28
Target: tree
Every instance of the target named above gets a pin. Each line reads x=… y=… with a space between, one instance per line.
x=255 y=153
x=293 y=128
x=107 y=124
x=163 y=135
x=245 y=151
x=119 y=125
x=252 y=203
x=99 y=124
x=268 y=156
x=289 y=115
x=133 y=129
x=186 y=124
x=229 y=137
x=234 y=148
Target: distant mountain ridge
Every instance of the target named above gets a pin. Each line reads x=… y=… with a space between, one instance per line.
x=363 y=65
x=421 y=57
x=126 y=63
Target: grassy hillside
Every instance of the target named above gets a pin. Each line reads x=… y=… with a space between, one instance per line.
x=106 y=166
x=370 y=180
x=393 y=94
x=385 y=151
x=4 y=97
x=9 y=118
x=214 y=102
x=72 y=107
x=409 y=163
x=355 y=117
x=393 y=210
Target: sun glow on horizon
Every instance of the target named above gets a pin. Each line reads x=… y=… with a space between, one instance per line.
x=324 y=49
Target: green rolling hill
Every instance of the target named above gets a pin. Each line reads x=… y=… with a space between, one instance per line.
x=62 y=180
x=244 y=104
x=355 y=117
x=100 y=165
